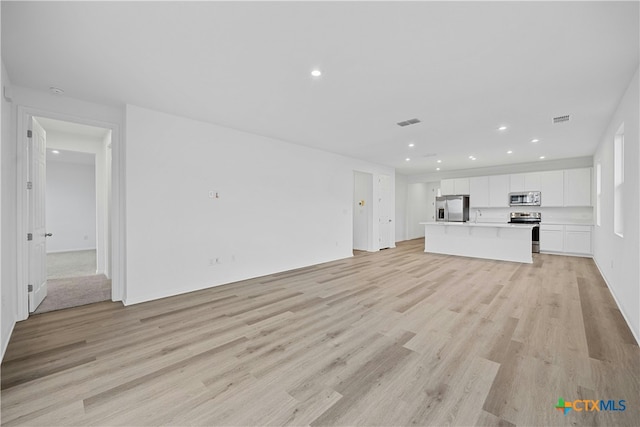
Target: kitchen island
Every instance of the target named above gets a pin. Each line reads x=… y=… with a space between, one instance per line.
x=505 y=242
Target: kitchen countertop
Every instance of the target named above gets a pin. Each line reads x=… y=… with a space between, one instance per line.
x=479 y=224
x=557 y=222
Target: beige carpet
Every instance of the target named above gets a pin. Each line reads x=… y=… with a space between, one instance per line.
x=75 y=291
x=71 y=264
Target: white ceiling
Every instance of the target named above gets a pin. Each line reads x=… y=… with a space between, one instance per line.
x=462 y=68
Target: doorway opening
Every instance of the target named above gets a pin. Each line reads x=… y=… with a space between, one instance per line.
x=76 y=212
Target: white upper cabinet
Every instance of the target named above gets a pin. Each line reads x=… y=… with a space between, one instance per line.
x=524 y=182
x=447 y=187
x=532 y=181
x=479 y=192
x=462 y=185
x=577 y=187
x=558 y=188
x=454 y=187
x=516 y=182
x=552 y=188
x=499 y=191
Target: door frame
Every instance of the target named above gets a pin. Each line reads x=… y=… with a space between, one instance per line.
x=25 y=114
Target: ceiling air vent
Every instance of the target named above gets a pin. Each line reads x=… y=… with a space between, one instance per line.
x=408 y=122
x=560 y=119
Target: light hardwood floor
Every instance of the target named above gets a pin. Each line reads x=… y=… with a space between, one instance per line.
x=398 y=337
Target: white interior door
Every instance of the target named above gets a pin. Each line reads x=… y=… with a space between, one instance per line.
x=37 y=223
x=362 y=210
x=384 y=210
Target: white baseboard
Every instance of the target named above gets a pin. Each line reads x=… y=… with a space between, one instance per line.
x=171 y=292
x=6 y=344
x=567 y=254
x=615 y=298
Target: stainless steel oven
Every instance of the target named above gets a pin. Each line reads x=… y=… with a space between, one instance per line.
x=532 y=218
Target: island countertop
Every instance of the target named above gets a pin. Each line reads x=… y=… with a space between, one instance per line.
x=480 y=224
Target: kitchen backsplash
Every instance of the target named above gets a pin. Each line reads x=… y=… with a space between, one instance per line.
x=581 y=215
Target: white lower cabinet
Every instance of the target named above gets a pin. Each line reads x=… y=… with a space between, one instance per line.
x=569 y=239
x=577 y=239
x=552 y=238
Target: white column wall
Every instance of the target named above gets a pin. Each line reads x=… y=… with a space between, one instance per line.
x=417 y=209
x=8 y=227
x=401 y=207
x=8 y=234
x=617 y=257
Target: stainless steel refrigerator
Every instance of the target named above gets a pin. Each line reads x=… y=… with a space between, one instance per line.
x=452 y=208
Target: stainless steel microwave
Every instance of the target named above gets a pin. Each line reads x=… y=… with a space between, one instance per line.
x=528 y=198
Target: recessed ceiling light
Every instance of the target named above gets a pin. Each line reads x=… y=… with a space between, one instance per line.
x=412 y=145
x=56 y=90
x=407 y=159
x=316 y=73
x=502 y=128
x=535 y=140
x=541 y=157
x=55 y=151
x=439 y=161
x=437 y=169
x=509 y=152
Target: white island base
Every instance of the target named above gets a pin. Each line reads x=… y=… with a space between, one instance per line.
x=505 y=242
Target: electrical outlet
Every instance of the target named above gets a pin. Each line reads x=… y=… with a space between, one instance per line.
x=212 y=261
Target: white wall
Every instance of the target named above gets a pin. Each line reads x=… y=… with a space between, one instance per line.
x=420 y=207
x=104 y=207
x=70 y=206
x=401 y=207
x=281 y=206
x=617 y=257
x=8 y=236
